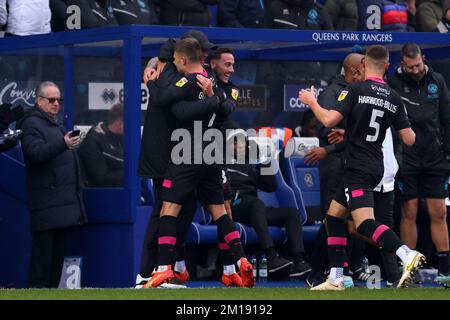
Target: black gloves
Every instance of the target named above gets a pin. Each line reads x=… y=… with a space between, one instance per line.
x=9 y=114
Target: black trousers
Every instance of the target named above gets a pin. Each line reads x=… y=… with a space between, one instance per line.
x=150 y=246
x=47 y=258
x=253 y=212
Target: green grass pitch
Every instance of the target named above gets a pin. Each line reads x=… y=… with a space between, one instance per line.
x=225 y=294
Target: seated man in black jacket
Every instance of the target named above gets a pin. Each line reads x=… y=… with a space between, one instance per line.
x=247 y=208
x=101 y=152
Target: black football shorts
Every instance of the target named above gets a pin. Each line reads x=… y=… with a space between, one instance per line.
x=356 y=190
x=181 y=180
x=422 y=185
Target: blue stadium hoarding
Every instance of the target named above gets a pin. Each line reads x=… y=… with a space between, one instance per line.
x=291 y=101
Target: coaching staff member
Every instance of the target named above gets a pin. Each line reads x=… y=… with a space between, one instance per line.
x=425 y=169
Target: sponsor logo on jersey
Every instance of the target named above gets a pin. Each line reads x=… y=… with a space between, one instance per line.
x=342 y=95
x=181 y=82
x=380 y=90
x=235 y=93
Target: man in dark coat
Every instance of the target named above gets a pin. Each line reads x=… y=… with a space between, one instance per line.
x=241 y=13
x=53 y=186
x=186 y=12
x=101 y=152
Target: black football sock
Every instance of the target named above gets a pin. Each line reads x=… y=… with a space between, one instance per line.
x=167 y=239
x=381 y=234
x=336 y=241
x=231 y=236
x=443 y=263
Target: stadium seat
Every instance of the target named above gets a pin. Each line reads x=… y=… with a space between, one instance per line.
x=284 y=196
x=308 y=180
x=304 y=180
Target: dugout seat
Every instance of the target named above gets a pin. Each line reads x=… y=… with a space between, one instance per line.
x=203 y=231
x=303 y=179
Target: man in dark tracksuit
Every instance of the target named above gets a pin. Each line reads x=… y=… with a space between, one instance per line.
x=241 y=13
x=300 y=15
x=425 y=169
x=297 y=14
x=186 y=12
x=247 y=208
x=156 y=147
x=133 y=12
x=101 y=152
x=94 y=14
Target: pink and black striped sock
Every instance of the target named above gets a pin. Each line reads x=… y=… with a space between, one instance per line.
x=228 y=257
x=231 y=236
x=336 y=241
x=167 y=239
x=381 y=234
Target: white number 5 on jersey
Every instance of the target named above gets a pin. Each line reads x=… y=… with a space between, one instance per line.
x=374 y=124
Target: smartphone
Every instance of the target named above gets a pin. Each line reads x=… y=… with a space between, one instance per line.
x=74 y=133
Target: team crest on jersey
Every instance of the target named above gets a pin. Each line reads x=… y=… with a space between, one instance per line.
x=432 y=88
x=234 y=93
x=342 y=95
x=181 y=82
x=433 y=91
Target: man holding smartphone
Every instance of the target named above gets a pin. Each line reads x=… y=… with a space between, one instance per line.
x=53 y=182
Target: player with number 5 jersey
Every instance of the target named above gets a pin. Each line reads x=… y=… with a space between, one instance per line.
x=370 y=108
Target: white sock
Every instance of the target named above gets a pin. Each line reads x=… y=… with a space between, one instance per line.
x=180 y=266
x=337 y=275
x=162 y=268
x=403 y=253
x=229 y=270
